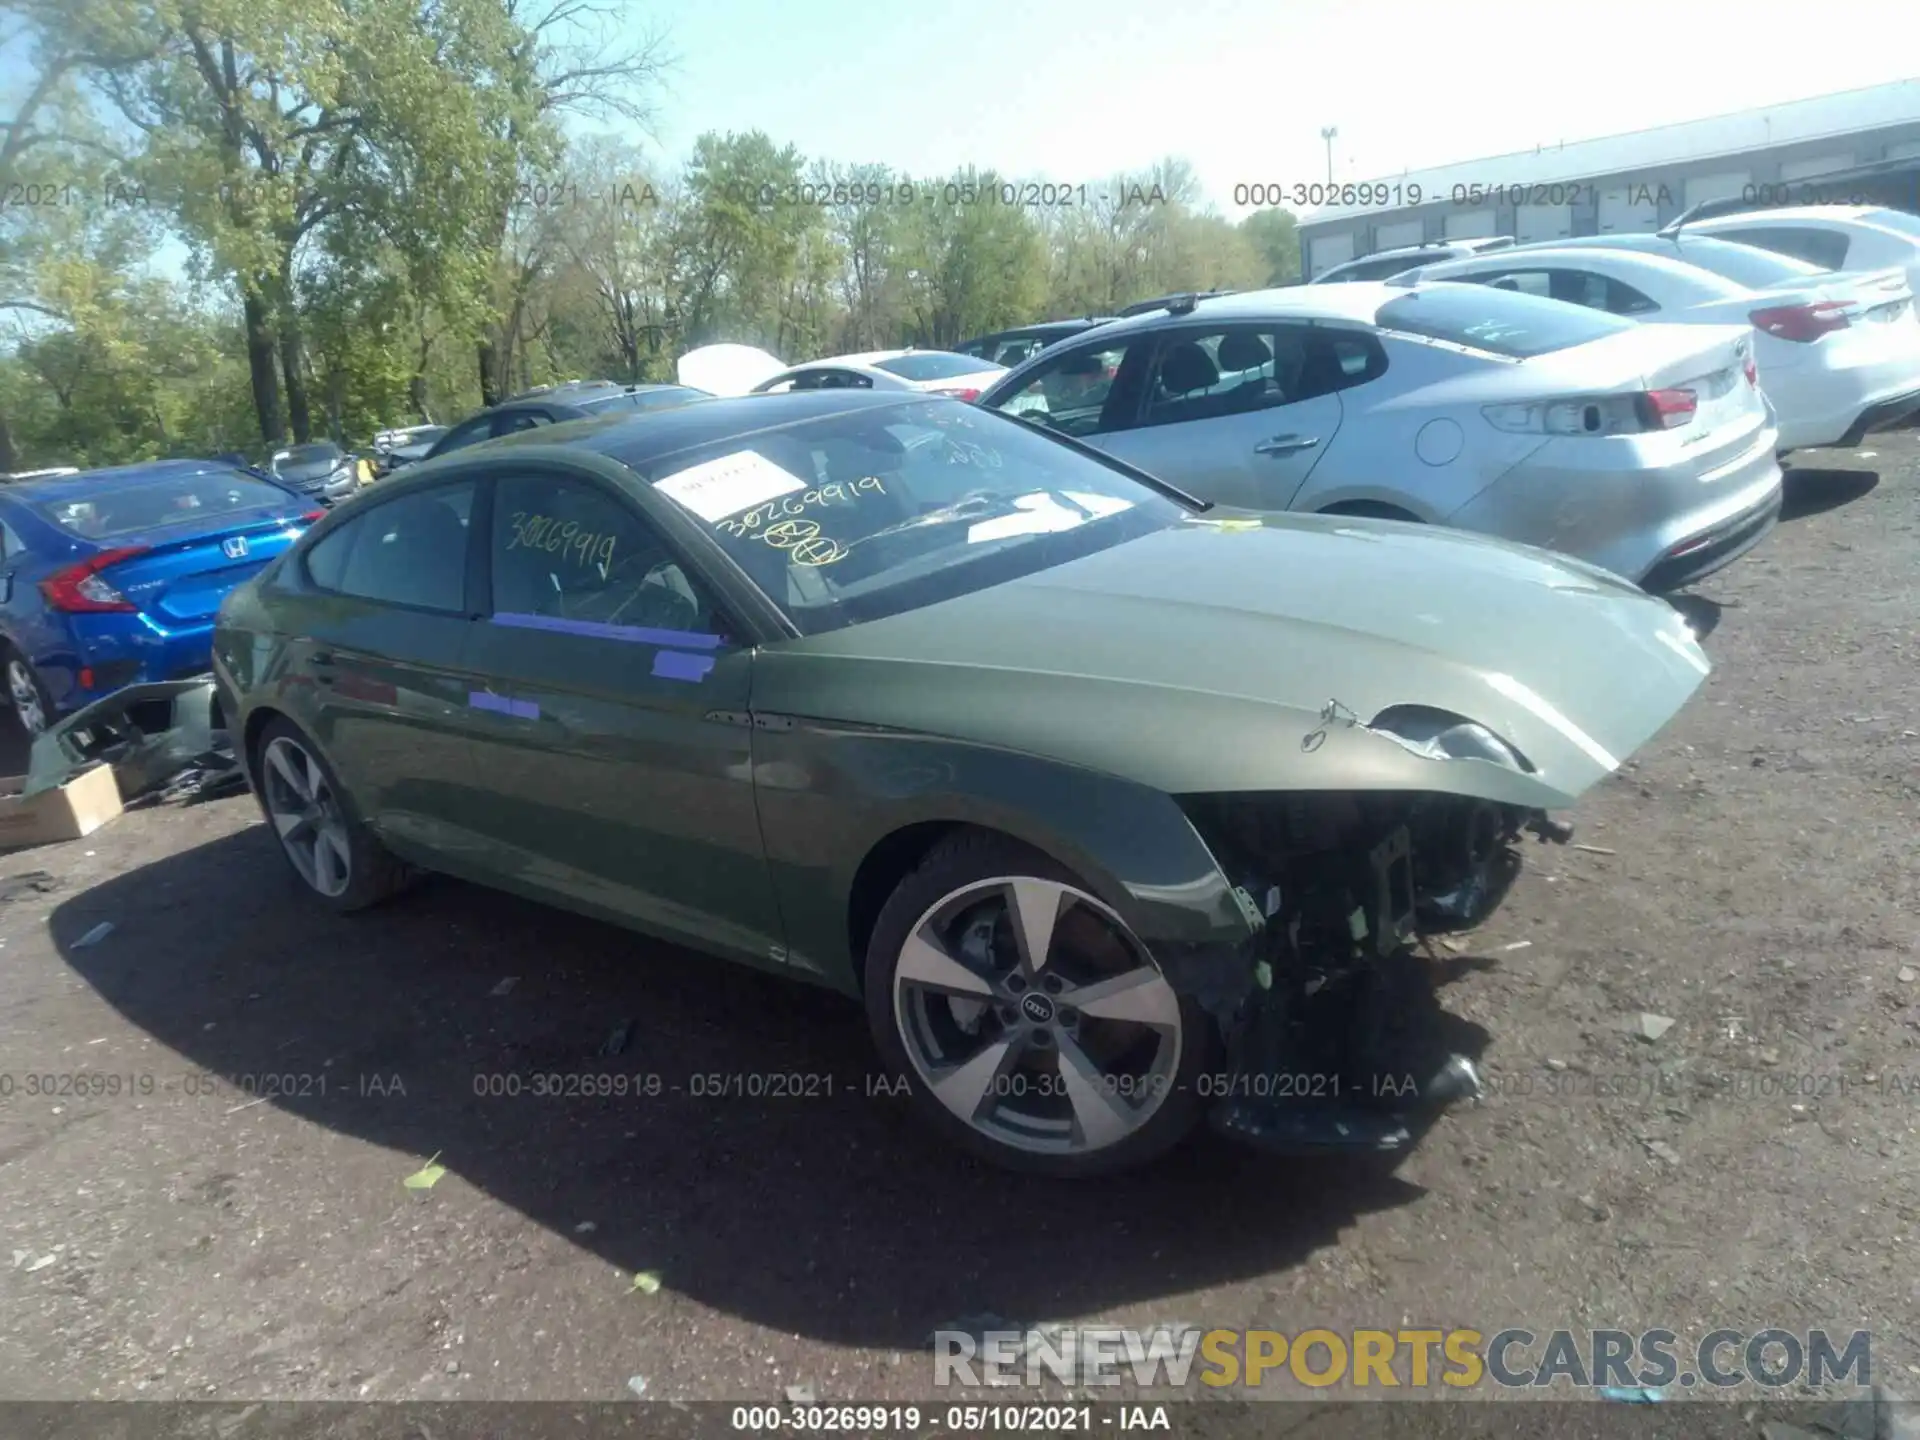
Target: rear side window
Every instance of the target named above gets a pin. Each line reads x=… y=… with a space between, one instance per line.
x=519 y=420
x=1340 y=362
x=202 y=498
x=1753 y=266
x=1825 y=248
x=468 y=432
x=1501 y=322
x=410 y=551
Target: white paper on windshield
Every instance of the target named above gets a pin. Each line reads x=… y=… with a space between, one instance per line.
x=1042 y=514
x=716 y=489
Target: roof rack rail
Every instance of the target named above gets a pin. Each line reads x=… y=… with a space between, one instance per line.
x=1181 y=303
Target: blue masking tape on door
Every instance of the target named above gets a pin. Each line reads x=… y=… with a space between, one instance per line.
x=677 y=665
x=502 y=705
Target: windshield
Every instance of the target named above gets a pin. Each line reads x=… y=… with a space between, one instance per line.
x=1908 y=225
x=1746 y=265
x=934 y=365
x=324 y=454
x=208 y=497
x=888 y=508
x=1503 y=322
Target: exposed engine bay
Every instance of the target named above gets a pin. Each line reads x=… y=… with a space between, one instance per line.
x=1338 y=1039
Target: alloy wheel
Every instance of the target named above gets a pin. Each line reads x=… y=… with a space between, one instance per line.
x=307 y=816
x=1031 y=1012
x=24 y=691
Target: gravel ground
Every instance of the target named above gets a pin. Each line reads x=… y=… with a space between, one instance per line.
x=1753 y=880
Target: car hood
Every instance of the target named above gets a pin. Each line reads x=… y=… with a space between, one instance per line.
x=726 y=369
x=1238 y=652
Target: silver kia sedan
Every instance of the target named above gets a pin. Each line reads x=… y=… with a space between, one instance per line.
x=1646 y=449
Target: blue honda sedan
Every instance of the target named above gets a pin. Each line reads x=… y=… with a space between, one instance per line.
x=112 y=577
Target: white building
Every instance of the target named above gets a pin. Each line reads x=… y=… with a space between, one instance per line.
x=1859 y=145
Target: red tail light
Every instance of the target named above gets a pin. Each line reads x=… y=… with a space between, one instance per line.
x=1803 y=322
x=1669 y=409
x=968 y=395
x=1751 y=371
x=313 y=515
x=81 y=589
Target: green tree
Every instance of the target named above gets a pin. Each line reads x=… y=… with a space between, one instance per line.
x=564 y=59
x=1276 y=235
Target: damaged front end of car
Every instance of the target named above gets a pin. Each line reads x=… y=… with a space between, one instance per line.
x=1333 y=1036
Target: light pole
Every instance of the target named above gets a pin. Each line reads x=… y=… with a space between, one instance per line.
x=1327 y=132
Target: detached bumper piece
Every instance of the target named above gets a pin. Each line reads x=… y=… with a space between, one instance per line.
x=148 y=733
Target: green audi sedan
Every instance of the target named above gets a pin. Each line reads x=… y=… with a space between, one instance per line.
x=1115 y=810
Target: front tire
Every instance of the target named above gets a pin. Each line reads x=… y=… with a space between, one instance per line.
x=1034 y=1028
x=332 y=851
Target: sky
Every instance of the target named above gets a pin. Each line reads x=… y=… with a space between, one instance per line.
x=1070 y=92
x=1052 y=90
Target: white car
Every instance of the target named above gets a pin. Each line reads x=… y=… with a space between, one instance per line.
x=1832 y=237
x=744 y=370
x=1648 y=450
x=1838 y=355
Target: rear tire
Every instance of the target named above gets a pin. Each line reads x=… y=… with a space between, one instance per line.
x=333 y=852
x=1084 y=1064
x=27 y=697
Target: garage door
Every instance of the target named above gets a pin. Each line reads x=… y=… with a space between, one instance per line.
x=1400 y=232
x=1470 y=225
x=1729 y=185
x=1542 y=222
x=1327 y=251
x=1629 y=209
x=1819 y=165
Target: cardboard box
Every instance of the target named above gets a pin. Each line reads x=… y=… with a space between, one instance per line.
x=79 y=807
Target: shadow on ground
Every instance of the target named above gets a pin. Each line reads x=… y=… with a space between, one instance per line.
x=1816 y=491
x=833 y=1215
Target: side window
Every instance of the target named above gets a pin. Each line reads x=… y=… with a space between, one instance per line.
x=1203 y=375
x=409 y=551
x=1817 y=247
x=10 y=542
x=1069 y=392
x=1526 y=282
x=467 y=432
x=518 y=420
x=567 y=549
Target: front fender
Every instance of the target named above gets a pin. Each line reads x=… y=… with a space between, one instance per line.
x=828 y=794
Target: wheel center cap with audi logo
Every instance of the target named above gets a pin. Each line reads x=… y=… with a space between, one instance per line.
x=1037 y=1008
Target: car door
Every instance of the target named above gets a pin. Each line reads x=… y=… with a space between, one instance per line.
x=384 y=609
x=1235 y=413
x=620 y=750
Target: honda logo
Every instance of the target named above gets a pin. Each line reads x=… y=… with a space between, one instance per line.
x=234 y=547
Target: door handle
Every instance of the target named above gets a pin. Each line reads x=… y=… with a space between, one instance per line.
x=321 y=659
x=1286 y=444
